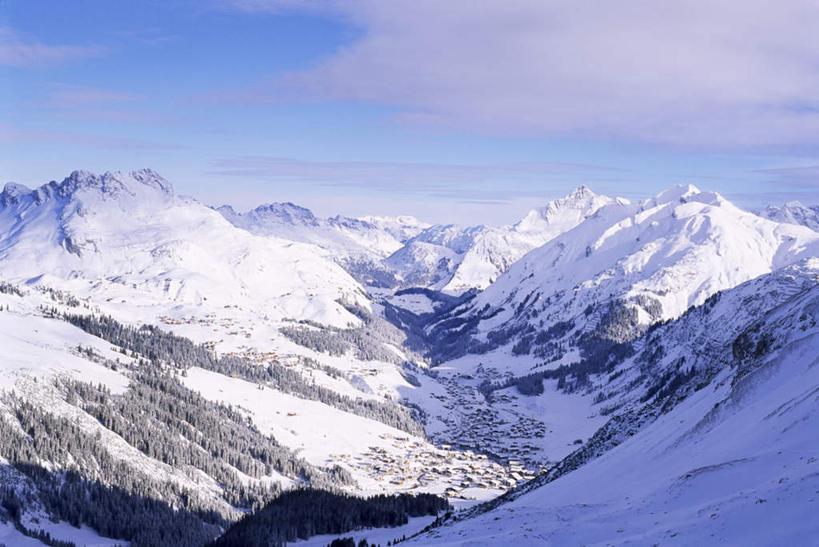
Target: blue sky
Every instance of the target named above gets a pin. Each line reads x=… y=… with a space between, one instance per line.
x=453 y=112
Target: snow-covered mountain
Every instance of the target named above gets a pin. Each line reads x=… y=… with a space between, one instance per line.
x=455 y=259
x=794 y=212
x=358 y=245
x=664 y=349
x=430 y=258
x=375 y=236
x=101 y=268
x=717 y=443
x=494 y=251
x=622 y=269
x=390 y=252
x=401 y=228
x=129 y=236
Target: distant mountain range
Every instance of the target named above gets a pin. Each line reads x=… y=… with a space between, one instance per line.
x=404 y=252
x=601 y=371
x=794 y=212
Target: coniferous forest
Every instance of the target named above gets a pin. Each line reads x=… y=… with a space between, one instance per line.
x=303 y=513
x=181 y=353
x=54 y=464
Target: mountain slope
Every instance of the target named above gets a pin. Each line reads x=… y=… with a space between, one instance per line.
x=357 y=244
x=403 y=252
x=128 y=235
x=174 y=435
x=128 y=260
x=431 y=258
x=794 y=212
x=96 y=434
x=622 y=269
x=456 y=259
x=494 y=251
x=725 y=454
x=234 y=363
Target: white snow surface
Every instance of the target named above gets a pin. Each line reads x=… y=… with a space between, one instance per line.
x=11 y=537
x=794 y=212
x=64 y=531
x=38 y=347
x=456 y=258
x=733 y=454
x=310 y=427
x=735 y=462
x=494 y=251
x=677 y=249
x=374 y=237
x=373 y=536
x=127 y=235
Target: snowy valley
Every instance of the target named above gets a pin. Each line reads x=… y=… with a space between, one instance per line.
x=601 y=371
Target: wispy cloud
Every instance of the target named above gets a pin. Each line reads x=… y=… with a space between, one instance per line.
x=18 y=50
x=101 y=104
x=62 y=95
x=781 y=185
x=151 y=36
x=273 y=6
x=756 y=201
x=685 y=73
x=458 y=182
x=805 y=177
x=14 y=134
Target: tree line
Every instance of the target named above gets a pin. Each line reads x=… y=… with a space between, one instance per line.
x=299 y=514
x=181 y=353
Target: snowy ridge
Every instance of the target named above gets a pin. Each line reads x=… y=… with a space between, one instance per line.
x=629 y=265
x=456 y=259
x=430 y=258
x=339 y=234
x=494 y=251
x=404 y=252
x=129 y=234
x=402 y=227
x=358 y=245
x=794 y=212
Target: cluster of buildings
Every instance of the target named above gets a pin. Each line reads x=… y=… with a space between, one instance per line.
x=414 y=465
x=497 y=429
x=232 y=327
x=487 y=434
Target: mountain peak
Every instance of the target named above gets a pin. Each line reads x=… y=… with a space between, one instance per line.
x=114 y=184
x=285 y=212
x=794 y=212
x=678 y=192
x=577 y=204
x=794 y=204
x=12 y=192
x=581 y=192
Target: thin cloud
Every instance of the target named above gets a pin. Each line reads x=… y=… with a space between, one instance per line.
x=101 y=104
x=147 y=36
x=793 y=177
x=10 y=134
x=17 y=50
x=487 y=182
x=72 y=96
x=272 y=6
x=701 y=75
